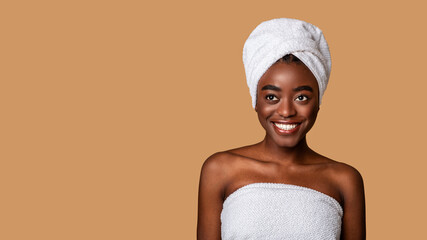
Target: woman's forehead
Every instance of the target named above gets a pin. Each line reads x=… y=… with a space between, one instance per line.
x=285 y=75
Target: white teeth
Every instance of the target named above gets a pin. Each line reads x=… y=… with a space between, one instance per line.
x=286 y=126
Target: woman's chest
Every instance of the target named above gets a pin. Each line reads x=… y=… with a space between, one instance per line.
x=313 y=177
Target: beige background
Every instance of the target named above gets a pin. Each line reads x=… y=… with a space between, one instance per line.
x=109 y=108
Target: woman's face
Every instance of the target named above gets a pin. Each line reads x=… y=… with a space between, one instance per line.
x=287 y=102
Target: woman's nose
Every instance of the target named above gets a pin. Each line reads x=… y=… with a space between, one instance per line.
x=286 y=108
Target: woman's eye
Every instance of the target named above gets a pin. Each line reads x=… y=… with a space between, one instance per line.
x=271 y=97
x=302 y=98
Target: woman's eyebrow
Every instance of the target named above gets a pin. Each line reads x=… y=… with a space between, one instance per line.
x=301 y=88
x=271 y=87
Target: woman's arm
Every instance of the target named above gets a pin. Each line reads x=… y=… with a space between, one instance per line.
x=211 y=193
x=352 y=190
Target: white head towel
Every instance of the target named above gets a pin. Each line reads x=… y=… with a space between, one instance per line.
x=273 y=39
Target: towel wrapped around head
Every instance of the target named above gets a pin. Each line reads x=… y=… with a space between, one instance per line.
x=273 y=39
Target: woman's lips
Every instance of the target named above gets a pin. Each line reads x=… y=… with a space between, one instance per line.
x=286 y=128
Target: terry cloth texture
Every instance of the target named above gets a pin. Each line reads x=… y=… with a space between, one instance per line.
x=280 y=211
x=273 y=39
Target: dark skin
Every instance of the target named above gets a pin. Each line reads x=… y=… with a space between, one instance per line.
x=287 y=94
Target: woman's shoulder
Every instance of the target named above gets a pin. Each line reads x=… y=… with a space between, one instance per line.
x=343 y=171
x=224 y=164
x=227 y=158
x=345 y=176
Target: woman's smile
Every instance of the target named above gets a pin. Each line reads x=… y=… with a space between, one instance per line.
x=285 y=128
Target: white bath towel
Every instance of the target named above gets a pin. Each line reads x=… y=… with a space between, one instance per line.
x=280 y=211
x=273 y=39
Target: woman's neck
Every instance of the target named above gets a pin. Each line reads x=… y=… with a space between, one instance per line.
x=285 y=155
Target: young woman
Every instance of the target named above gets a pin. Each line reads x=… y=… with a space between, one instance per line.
x=279 y=188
